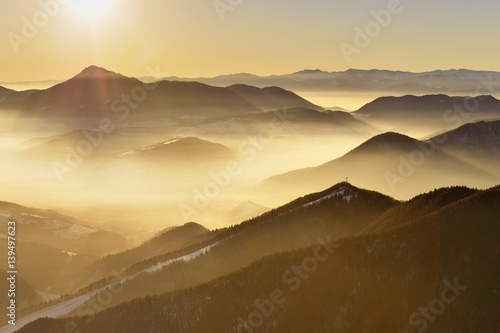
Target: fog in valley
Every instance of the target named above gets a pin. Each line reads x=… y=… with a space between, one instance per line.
x=137 y=177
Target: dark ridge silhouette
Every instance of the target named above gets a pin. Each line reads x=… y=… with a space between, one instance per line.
x=5 y=91
x=477 y=143
x=270 y=98
x=417 y=207
x=424 y=105
x=380 y=161
x=448 y=250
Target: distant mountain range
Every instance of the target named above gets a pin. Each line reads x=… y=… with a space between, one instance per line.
x=96 y=94
x=339 y=251
x=454 y=81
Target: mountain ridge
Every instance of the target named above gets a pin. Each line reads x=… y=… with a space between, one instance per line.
x=98 y=92
x=385 y=162
x=407 y=267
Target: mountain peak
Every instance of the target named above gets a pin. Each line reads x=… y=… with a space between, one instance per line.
x=385 y=141
x=391 y=137
x=97 y=72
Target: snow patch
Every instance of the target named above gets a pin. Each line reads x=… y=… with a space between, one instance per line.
x=127 y=153
x=37 y=216
x=188 y=257
x=147 y=148
x=171 y=141
x=340 y=192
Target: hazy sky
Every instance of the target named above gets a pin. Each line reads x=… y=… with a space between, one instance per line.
x=191 y=38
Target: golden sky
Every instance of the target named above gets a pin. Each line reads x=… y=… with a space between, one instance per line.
x=56 y=39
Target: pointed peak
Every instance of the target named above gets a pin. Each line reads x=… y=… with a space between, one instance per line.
x=383 y=142
x=97 y=72
x=391 y=137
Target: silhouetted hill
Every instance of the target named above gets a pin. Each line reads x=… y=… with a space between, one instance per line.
x=271 y=98
x=300 y=121
x=383 y=143
x=5 y=91
x=391 y=163
x=310 y=116
x=194 y=98
x=168 y=241
x=83 y=95
x=477 y=143
x=429 y=112
x=183 y=150
x=417 y=207
x=424 y=105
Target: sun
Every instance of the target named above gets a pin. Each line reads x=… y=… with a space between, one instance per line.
x=91 y=8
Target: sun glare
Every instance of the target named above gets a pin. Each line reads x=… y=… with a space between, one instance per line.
x=92 y=8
